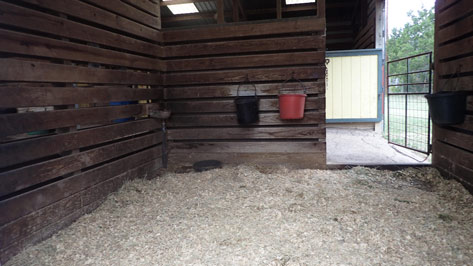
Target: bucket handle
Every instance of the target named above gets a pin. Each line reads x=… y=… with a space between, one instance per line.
x=293 y=78
x=247 y=80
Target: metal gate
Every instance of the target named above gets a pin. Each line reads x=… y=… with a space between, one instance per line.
x=408 y=118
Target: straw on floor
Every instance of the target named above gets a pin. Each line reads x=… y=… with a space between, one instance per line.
x=258 y=216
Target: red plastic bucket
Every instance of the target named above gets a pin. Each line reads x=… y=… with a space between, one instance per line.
x=291 y=106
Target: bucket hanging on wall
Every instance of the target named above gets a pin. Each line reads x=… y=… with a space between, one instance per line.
x=292 y=101
x=448 y=107
x=247 y=107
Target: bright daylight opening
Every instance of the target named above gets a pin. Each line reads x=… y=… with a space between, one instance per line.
x=183 y=8
x=295 y=2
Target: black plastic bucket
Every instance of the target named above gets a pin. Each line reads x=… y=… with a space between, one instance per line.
x=247 y=108
x=447 y=108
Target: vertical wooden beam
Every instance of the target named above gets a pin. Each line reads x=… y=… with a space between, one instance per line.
x=242 y=11
x=321 y=8
x=380 y=25
x=220 y=12
x=279 y=9
x=158 y=2
x=236 y=13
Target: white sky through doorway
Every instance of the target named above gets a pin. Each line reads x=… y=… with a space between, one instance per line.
x=398 y=9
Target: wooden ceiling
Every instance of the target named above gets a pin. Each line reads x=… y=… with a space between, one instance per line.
x=243 y=10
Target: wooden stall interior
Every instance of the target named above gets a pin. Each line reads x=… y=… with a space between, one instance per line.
x=453 y=145
x=75 y=76
x=81 y=80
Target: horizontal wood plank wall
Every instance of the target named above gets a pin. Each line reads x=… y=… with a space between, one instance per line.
x=63 y=146
x=453 y=146
x=366 y=35
x=204 y=69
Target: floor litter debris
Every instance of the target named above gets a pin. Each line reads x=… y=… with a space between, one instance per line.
x=250 y=215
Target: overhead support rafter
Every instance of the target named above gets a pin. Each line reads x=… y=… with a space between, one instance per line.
x=177 y=2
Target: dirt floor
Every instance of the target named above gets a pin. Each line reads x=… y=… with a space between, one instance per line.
x=349 y=146
x=258 y=216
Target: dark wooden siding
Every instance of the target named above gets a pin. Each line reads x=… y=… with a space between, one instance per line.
x=365 y=35
x=453 y=146
x=205 y=67
x=61 y=64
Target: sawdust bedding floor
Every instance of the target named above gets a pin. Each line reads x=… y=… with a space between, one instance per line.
x=251 y=215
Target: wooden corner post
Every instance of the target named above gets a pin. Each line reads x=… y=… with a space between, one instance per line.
x=321 y=8
x=220 y=12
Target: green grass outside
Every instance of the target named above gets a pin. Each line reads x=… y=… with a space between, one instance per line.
x=417 y=121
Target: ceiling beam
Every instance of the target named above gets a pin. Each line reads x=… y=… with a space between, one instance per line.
x=340 y=5
x=290 y=8
x=185 y=17
x=177 y=2
x=207 y=15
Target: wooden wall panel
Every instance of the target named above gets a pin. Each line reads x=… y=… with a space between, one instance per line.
x=74 y=78
x=366 y=34
x=205 y=66
x=453 y=145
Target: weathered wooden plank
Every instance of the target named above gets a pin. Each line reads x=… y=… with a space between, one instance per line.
x=236 y=76
x=462 y=64
x=225 y=90
x=248 y=147
x=24 y=204
x=27 y=122
x=454 y=49
x=455 y=138
x=230 y=62
x=467 y=125
x=33 y=71
x=455 y=30
x=367 y=37
x=450 y=170
x=47 y=96
x=458 y=162
x=211 y=120
x=229 y=106
x=457 y=156
x=25 y=226
x=97 y=15
x=315 y=132
x=443 y=4
x=39 y=236
x=454 y=12
x=461 y=83
x=246 y=30
x=34 y=174
x=28 y=229
x=127 y=11
x=147 y=6
x=246 y=46
x=17 y=16
x=31 y=149
x=366 y=30
x=27 y=44
x=316 y=160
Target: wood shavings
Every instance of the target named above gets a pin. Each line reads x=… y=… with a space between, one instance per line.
x=254 y=216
